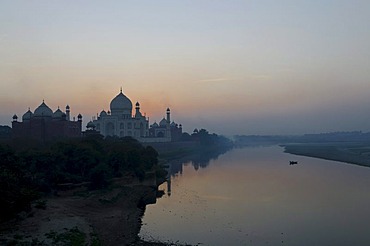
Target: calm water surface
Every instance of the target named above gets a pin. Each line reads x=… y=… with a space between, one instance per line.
x=252 y=196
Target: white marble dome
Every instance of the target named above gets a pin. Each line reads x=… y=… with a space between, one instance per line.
x=43 y=111
x=121 y=104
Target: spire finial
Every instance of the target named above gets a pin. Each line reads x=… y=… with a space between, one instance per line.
x=121 y=89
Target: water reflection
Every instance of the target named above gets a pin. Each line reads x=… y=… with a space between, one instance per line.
x=200 y=160
x=253 y=196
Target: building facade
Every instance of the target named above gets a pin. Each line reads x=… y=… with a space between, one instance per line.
x=166 y=127
x=44 y=124
x=119 y=121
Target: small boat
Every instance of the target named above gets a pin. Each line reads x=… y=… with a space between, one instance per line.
x=293 y=162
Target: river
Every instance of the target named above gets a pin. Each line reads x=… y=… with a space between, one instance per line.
x=252 y=196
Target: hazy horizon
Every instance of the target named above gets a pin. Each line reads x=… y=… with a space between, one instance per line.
x=232 y=67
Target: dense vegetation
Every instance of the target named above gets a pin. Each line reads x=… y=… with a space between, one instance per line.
x=200 y=143
x=5 y=132
x=206 y=139
x=25 y=173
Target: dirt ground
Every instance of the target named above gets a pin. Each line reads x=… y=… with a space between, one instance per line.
x=113 y=215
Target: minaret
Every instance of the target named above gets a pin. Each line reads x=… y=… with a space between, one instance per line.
x=79 y=120
x=168 y=129
x=168 y=116
x=68 y=115
x=137 y=107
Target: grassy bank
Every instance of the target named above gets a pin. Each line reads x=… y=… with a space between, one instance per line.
x=349 y=152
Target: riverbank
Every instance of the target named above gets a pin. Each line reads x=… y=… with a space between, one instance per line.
x=357 y=153
x=108 y=216
x=80 y=217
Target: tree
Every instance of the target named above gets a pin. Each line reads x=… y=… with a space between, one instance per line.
x=16 y=190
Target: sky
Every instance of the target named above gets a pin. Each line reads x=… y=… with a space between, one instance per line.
x=232 y=67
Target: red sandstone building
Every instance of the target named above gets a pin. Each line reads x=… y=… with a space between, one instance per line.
x=45 y=125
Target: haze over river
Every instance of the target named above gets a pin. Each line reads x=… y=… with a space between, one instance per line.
x=252 y=196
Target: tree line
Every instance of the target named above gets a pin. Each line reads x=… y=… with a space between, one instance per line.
x=206 y=139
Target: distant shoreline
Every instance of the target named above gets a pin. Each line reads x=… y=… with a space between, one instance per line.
x=357 y=153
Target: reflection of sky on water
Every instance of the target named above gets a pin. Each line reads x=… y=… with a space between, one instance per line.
x=253 y=196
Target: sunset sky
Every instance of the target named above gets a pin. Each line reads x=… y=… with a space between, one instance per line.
x=232 y=67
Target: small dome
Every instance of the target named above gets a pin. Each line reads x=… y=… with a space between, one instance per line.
x=79 y=116
x=121 y=102
x=103 y=113
x=67 y=107
x=90 y=125
x=168 y=109
x=155 y=124
x=27 y=116
x=58 y=114
x=137 y=104
x=15 y=117
x=43 y=111
x=163 y=122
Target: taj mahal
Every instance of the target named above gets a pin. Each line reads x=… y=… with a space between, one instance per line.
x=45 y=125
x=119 y=121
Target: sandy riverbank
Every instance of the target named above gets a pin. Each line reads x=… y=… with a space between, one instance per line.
x=348 y=152
x=109 y=217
